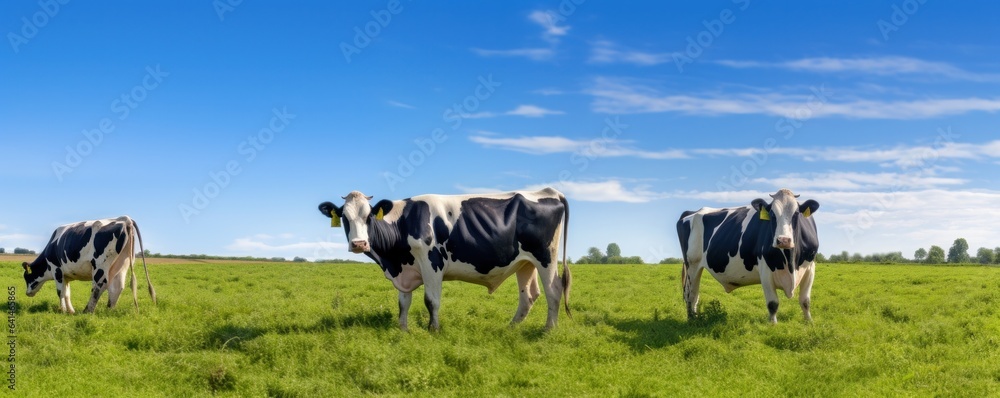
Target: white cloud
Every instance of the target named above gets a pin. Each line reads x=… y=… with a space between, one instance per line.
x=549 y=21
x=879 y=66
x=400 y=104
x=853 y=181
x=607 y=52
x=611 y=190
x=532 y=111
x=919 y=156
x=536 y=54
x=595 y=148
x=548 y=91
x=285 y=245
x=611 y=96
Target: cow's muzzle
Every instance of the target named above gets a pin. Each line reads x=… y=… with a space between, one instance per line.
x=31 y=294
x=359 y=246
x=784 y=243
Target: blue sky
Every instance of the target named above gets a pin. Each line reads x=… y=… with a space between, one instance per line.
x=224 y=126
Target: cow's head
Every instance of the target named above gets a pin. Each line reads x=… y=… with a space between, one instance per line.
x=32 y=280
x=780 y=214
x=355 y=216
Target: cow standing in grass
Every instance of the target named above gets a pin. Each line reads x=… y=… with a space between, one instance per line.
x=482 y=239
x=771 y=244
x=101 y=251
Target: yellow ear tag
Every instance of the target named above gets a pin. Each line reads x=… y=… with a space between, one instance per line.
x=380 y=215
x=808 y=212
x=764 y=215
x=334 y=221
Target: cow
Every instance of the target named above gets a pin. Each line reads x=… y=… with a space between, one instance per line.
x=101 y=251
x=779 y=239
x=481 y=239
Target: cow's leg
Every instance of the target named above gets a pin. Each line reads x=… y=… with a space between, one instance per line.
x=100 y=284
x=805 y=291
x=770 y=295
x=405 y=298
x=432 y=280
x=527 y=284
x=553 y=291
x=65 y=304
x=692 y=289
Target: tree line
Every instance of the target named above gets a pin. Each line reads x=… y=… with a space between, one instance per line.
x=613 y=255
x=958 y=253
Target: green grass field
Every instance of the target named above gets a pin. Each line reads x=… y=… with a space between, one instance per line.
x=289 y=330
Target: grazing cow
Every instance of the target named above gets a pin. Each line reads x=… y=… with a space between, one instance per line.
x=482 y=239
x=778 y=238
x=101 y=251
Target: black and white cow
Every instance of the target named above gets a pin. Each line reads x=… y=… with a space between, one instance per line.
x=778 y=239
x=482 y=239
x=100 y=251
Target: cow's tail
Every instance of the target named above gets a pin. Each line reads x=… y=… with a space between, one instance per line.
x=142 y=251
x=567 y=278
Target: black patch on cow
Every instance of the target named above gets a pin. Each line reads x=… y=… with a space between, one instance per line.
x=684 y=234
x=437 y=256
x=725 y=242
x=389 y=248
x=104 y=236
x=72 y=242
x=804 y=234
x=98 y=275
x=33 y=285
x=59 y=275
x=59 y=293
x=440 y=230
x=488 y=231
x=429 y=304
x=772 y=307
x=93 y=263
x=710 y=221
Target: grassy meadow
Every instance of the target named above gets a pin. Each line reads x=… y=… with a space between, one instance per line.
x=301 y=330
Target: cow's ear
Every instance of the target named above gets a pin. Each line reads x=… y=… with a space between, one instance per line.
x=760 y=205
x=25 y=266
x=808 y=207
x=329 y=209
x=381 y=208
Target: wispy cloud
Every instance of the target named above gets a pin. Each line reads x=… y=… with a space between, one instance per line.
x=400 y=104
x=549 y=22
x=879 y=66
x=541 y=145
x=536 y=54
x=612 y=190
x=618 y=97
x=532 y=111
x=607 y=52
x=551 y=33
x=548 y=91
x=520 y=110
x=839 y=180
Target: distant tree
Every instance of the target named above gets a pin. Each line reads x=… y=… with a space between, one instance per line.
x=2 y=251
x=820 y=258
x=21 y=250
x=614 y=250
x=672 y=260
x=278 y=259
x=920 y=254
x=996 y=255
x=985 y=255
x=935 y=255
x=959 y=252
x=299 y=260
x=844 y=257
x=147 y=253
x=857 y=258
